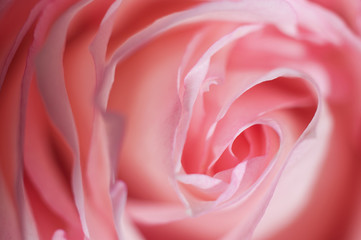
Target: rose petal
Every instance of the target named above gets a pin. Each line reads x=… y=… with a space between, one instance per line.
x=154 y=213
x=349 y=10
x=19 y=38
x=55 y=96
x=59 y=235
x=46 y=153
x=205 y=187
x=303 y=168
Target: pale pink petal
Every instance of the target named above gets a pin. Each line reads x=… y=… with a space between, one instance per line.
x=106 y=136
x=59 y=235
x=119 y=198
x=296 y=183
x=200 y=180
x=129 y=230
x=203 y=186
x=113 y=122
x=324 y=219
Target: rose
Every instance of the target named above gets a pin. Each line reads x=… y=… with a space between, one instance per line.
x=237 y=113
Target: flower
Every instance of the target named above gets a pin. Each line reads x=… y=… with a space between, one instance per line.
x=180 y=120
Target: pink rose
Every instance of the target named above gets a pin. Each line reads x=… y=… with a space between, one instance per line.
x=180 y=119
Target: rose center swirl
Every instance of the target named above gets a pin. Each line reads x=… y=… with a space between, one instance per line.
x=234 y=141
